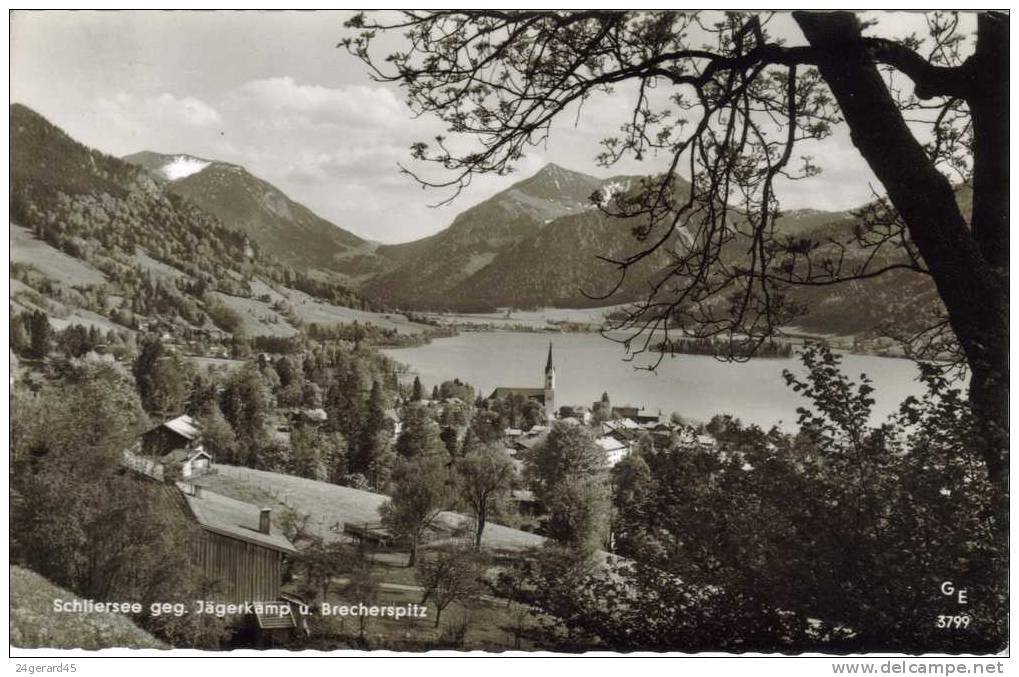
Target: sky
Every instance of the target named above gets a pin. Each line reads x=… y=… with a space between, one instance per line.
x=272 y=92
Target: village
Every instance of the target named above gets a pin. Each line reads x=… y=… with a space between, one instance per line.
x=249 y=547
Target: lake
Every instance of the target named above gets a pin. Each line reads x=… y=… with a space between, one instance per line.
x=695 y=386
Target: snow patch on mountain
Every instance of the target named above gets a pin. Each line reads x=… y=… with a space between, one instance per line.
x=610 y=190
x=181 y=166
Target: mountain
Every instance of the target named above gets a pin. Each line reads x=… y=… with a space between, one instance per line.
x=431 y=272
x=538 y=243
x=100 y=241
x=167 y=231
x=278 y=225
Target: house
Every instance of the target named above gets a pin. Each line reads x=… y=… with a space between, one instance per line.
x=525 y=443
x=623 y=429
x=626 y=411
x=315 y=416
x=581 y=413
x=544 y=396
x=707 y=441
x=187 y=463
x=647 y=418
x=526 y=502
x=615 y=450
x=175 y=445
x=181 y=432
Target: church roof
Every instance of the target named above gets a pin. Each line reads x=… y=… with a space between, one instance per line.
x=530 y=393
x=548 y=364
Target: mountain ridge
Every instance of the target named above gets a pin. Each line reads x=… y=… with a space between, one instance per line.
x=278 y=224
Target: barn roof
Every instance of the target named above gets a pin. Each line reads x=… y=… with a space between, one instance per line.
x=184 y=425
x=233 y=518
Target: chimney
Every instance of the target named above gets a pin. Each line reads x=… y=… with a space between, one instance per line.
x=264 y=520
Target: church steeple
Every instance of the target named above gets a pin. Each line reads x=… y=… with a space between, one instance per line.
x=549 y=385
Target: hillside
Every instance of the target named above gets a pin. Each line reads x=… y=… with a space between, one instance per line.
x=102 y=242
x=35 y=625
x=559 y=264
x=281 y=227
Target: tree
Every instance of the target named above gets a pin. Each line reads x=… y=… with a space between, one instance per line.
x=486 y=475
x=739 y=103
x=578 y=513
x=418 y=391
x=344 y=403
x=632 y=492
x=420 y=435
x=486 y=426
x=363 y=585
x=569 y=452
x=20 y=338
x=245 y=404
x=307 y=453
x=373 y=436
x=457 y=389
x=201 y=396
x=451 y=576
x=568 y=474
x=170 y=383
x=40 y=334
x=162 y=379
x=218 y=437
x=321 y=562
x=334 y=453
x=421 y=490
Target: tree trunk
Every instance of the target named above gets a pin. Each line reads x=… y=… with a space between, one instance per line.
x=965 y=264
x=482 y=518
x=988 y=103
x=413 y=559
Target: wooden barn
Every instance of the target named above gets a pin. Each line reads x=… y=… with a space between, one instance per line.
x=176 y=446
x=181 y=432
x=236 y=545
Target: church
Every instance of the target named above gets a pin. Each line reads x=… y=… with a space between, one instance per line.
x=545 y=395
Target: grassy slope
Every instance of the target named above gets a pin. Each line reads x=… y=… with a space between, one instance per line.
x=34 y=624
x=329 y=503
x=50 y=261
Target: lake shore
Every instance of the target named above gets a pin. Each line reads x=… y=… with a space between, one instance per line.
x=695 y=386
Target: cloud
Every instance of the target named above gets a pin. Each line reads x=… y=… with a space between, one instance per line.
x=349 y=106
x=130 y=110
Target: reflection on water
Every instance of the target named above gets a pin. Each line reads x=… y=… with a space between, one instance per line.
x=695 y=386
